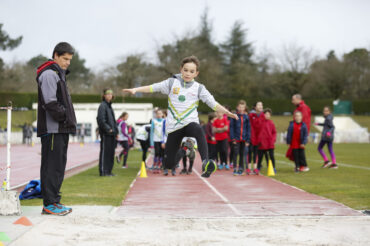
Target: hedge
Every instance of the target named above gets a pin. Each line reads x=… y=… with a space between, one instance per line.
x=278 y=106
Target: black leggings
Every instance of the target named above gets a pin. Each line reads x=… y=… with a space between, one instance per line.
x=158 y=151
x=221 y=147
x=231 y=152
x=238 y=149
x=144 y=147
x=299 y=158
x=212 y=153
x=124 y=151
x=269 y=154
x=174 y=141
x=252 y=154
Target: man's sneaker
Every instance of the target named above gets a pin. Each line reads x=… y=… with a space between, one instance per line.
x=304 y=169
x=241 y=172
x=208 y=168
x=165 y=172
x=62 y=205
x=333 y=166
x=183 y=171
x=326 y=164
x=256 y=171
x=55 y=209
x=227 y=167
x=248 y=171
x=235 y=173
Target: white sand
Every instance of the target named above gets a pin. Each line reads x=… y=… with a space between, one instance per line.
x=100 y=226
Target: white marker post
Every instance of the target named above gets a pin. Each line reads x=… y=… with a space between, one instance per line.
x=8 y=146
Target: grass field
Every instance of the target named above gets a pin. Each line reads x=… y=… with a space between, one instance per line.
x=348 y=185
x=88 y=188
x=18 y=118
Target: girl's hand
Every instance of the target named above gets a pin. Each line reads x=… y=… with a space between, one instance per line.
x=302 y=146
x=246 y=144
x=234 y=116
x=131 y=91
x=163 y=146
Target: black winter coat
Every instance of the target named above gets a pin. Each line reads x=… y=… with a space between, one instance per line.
x=106 y=119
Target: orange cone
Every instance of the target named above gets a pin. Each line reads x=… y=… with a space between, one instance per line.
x=23 y=221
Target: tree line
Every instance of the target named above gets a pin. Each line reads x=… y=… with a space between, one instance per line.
x=230 y=69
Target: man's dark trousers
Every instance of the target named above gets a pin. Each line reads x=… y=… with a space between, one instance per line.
x=53 y=164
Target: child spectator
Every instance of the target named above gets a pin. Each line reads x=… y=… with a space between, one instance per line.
x=187 y=150
x=123 y=138
x=240 y=136
x=327 y=137
x=297 y=139
x=221 y=128
x=143 y=137
x=157 y=137
x=267 y=139
x=256 y=116
x=210 y=136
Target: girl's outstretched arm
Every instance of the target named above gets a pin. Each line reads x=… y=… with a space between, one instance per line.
x=222 y=109
x=142 y=89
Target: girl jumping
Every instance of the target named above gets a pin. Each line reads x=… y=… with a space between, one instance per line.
x=182 y=121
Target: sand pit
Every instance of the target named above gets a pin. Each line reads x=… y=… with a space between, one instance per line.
x=102 y=226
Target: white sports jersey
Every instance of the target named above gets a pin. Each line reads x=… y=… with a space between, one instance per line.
x=157 y=132
x=142 y=133
x=183 y=100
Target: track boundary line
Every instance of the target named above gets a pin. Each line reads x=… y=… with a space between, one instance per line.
x=223 y=198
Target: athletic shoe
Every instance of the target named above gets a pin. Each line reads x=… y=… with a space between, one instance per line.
x=231 y=165
x=208 y=168
x=55 y=209
x=117 y=159
x=248 y=171
x=235 y=173
x=227 y=167
x=333 y=166
x=275 y=170
x=173 y=172
x=256 y=171
x=241 y=172
x=304 y=169
x=220 y=167
x=326 y=164
x=183 y=171
x=62 y=205
x=165 y=172
x=190 y=171
x=297 y=170
x=124 y=166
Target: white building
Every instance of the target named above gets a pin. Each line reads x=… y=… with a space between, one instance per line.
x=86 y=113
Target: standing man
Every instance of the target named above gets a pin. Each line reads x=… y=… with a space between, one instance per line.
x=108 y=132
x=55 y=121
x=303 y=108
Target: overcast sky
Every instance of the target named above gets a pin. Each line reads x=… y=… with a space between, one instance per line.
x=103 y=31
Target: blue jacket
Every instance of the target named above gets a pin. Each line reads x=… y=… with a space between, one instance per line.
x=32 y=190
x=304 y=133
x=240 y=131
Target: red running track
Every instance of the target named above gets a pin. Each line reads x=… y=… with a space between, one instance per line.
x=223 y=195
x=26 y=161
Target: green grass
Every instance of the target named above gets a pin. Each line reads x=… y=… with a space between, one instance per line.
x=88 y=188
x=18 y=118
x=363 y=120
x=347 y=185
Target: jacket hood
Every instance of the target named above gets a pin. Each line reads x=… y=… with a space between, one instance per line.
x=45 y=65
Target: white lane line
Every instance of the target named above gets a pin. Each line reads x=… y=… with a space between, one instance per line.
x=228 y=203
x=340 y=164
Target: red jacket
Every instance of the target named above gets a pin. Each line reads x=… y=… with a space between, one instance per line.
x=220 y=123
x=306 y=114
x=256 y=122
x=267 y=136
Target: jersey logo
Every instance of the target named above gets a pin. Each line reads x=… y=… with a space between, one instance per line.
x=176 y=90
x=182 y=98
